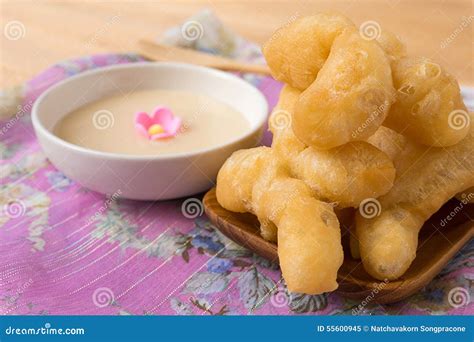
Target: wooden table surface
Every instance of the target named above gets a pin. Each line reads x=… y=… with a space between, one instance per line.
x=46 y=32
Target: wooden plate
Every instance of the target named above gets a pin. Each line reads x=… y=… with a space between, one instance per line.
x=438 y=243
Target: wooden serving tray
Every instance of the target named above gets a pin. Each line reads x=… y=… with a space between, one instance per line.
x=437 y=245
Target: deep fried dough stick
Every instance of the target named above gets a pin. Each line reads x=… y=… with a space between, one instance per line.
x=309 y=239
x=427 y=177
x=429 y=108
x=345 y=175
x=353 y=90
x=297 y=51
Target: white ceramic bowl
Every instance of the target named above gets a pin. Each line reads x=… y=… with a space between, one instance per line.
x=145 y=177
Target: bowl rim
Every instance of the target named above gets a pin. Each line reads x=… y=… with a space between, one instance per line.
x=41 y=129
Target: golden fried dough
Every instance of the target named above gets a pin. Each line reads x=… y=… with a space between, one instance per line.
x=237 y=177
x=297 y=51
x=309 y=246
x=345 y=175
x=330 y=152
x=426 y=178
x=285 y=142
x=350 y=97
x=285 y=206
x=392 y=46
x=429 y=108
x=388 y=141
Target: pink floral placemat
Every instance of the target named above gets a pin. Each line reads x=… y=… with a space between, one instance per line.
x=67 y=250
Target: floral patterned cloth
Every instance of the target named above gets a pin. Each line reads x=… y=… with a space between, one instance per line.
x=67 y=250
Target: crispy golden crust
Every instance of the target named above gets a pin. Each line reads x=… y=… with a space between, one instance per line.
x=330 y=150
x=297 y=51
x=345 y=175
x=429 y=108
x=285 y=207
x=350 y=97
x=427 y=177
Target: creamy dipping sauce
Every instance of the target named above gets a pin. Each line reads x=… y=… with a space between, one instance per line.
x=206 y=123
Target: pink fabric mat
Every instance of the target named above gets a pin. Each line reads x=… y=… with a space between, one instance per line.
x=67 y=250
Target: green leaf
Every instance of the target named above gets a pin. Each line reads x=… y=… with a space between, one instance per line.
x=255 y=288
x=301 y=303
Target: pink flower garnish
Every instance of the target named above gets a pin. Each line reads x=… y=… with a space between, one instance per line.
x=163 y=124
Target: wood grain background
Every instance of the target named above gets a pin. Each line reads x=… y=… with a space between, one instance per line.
x=55 y=30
